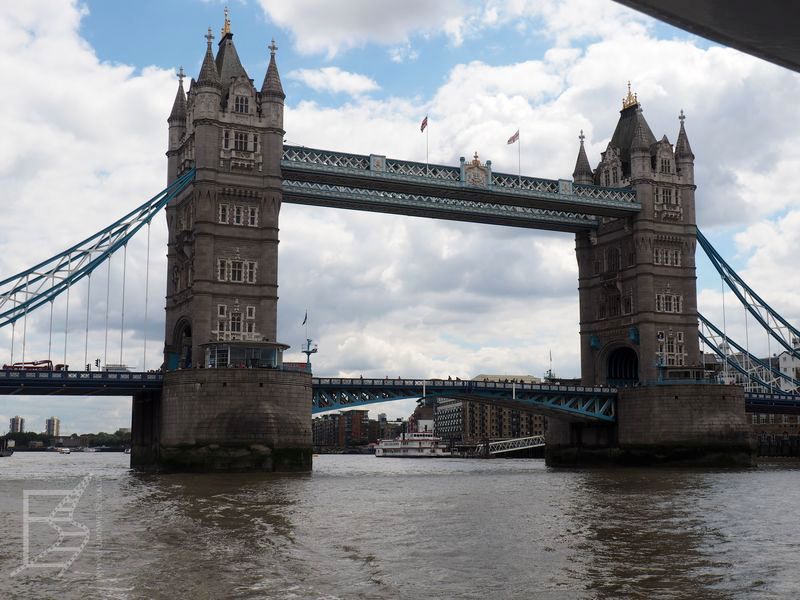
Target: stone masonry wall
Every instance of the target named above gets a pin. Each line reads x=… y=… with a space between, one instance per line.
x=678 y=414
x=236 y=406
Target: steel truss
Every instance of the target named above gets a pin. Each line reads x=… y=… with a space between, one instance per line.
x=756 y=370
x=30 y=289
x=777 y=327
x=371 y=170
x=78 y=383
x=303 y=192
x=573 y=402
x=534 y=441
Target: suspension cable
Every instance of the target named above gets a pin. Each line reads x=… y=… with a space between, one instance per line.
x=769 y=359
x=86 y=337
x=108 y=300
x=146 y=291
x=25 y=323
x=725 y=330
x=50 y=337
x=122 y=315
x=66 y=327
x=13 y=327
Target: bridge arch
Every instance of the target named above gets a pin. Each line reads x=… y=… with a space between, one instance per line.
x=621 y=366
x=182 y=345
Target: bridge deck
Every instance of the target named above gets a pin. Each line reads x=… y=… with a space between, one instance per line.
x=570 y=402
x=336 y=393
x=78 y=383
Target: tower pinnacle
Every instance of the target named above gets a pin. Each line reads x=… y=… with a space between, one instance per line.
x=208 y=71
x=178 y=113
x=583 y=170
x=226 y=28
x=631 y=99
x=682 y=147
x=272 y=80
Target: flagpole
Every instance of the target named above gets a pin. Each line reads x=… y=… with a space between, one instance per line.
x=519 y=159
x=427 y=161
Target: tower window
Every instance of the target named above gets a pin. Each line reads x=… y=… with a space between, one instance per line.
x=669 y=303
x=222 y=310
x=250 y=312
x=241 y=104
x=223 y=213
x=236 y=322
x=614 y=175
x=221 y=269
x=666 y=165
x=236 y=271
x=237 y=215
x=240 y=141
x=250 y=271
x=252 y=216
x=226 y=138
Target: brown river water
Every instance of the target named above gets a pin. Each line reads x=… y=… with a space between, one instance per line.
x=360 y=527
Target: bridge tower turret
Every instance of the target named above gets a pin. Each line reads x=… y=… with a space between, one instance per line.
x=222 y=284
x=637 y=283
x=177 y=129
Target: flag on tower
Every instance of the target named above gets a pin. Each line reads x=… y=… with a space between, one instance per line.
x=513 y=138
x=424 y=124
x=305 y=319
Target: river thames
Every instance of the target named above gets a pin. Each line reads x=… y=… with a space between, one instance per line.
x=360 y=527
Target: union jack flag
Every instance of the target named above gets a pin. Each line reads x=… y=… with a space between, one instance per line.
x=424 y=124
x=513 y=138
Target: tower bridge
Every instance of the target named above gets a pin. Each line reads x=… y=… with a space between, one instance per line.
x=229 y=172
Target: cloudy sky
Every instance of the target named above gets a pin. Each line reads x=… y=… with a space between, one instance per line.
x=88 y=86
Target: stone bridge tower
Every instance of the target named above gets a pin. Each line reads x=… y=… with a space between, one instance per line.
x=223 y=231
x=638 y=317
x=637 y=283
x=227 y=402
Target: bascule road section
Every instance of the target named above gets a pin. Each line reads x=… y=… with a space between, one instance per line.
x=470 y=192
x=575 y=403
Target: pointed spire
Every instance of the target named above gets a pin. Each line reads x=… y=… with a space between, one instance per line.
x=228 y=64
x=682 y=147
x=583 y=170
x=208 y=72
x=272 y=80
x=640 y=140
x=179 y=106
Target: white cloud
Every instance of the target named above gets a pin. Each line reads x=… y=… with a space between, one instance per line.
x=335 y=80
x=334 y=26
x=403 y=53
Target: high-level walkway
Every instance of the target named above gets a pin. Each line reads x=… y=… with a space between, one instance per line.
x=379 y=184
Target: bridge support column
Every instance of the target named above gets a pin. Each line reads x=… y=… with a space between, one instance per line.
x=145 y=428
x=225 y=420
x=670 y=425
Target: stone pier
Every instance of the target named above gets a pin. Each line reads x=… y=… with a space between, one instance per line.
x=691 y=425
x=225 y=420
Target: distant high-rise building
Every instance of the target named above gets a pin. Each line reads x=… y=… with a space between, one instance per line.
x=17 y=425
x=53 y=427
